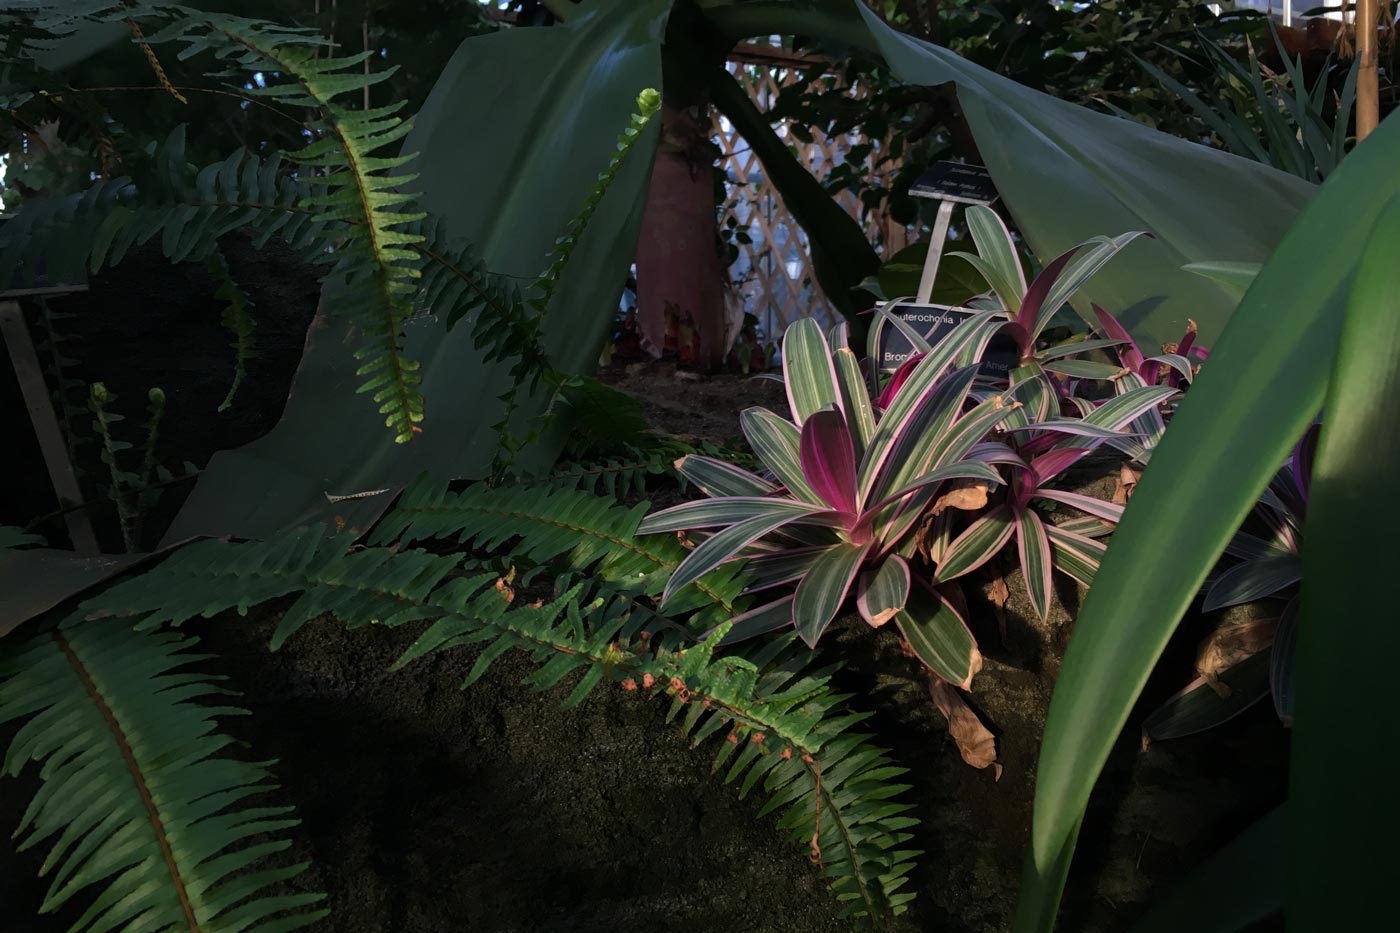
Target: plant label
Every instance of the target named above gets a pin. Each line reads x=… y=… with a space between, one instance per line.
x=955 y=181
x=934 y=322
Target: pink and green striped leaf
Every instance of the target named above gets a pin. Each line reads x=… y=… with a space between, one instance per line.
x=710 y=513
x=1083 y=369
x=938 y=636
x=1033 y=549
x=1128 y=353
x=807 y=370
x=717 y=478
x=1033 y=306
x=1253 y=579
x=910 y=443
x=720 y=547
x=757 y=621
x=978 y=544
x=883 y=591
x=1282 y=662
x=855 y=400
x=1076 y=556
x=768 y=570
x=1098 y=508
x=996 y=256
x=1074 y=346
x=822 y=591
x=776 y=442
x=1088 y=259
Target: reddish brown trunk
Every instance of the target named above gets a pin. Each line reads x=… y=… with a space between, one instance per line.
x=679 y=278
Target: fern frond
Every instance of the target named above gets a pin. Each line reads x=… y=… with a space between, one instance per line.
x=784 y=728
x=236 y=320
x=360 y=186
x=589 y=532
x=614 y=477
x=648 y=103
x=138 y=795
x=187 y=210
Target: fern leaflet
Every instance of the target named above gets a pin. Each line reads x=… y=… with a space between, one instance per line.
x=137 y=794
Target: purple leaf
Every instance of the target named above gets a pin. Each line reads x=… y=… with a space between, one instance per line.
x=1128 y=353
x=829 y=459
x=1038 y=292
x=1049 y=465
x=901 y=376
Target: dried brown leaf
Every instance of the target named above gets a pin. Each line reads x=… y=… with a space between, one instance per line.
x=1230 y=644
x=1123 y=487
x=967 y=494
x=976 y=744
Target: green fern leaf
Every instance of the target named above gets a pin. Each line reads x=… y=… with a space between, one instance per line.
x=793 y=735
x=137 y=794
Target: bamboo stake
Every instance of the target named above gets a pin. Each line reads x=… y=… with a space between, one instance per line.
x=1367 y=81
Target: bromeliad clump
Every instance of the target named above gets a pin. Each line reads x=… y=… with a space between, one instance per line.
x=850 y=486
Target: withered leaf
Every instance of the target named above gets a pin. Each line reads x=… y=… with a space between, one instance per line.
x=1123 y=487
x=1230 y=644
x=976 y=744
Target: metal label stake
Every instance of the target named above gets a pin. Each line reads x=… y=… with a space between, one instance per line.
x=948 y=183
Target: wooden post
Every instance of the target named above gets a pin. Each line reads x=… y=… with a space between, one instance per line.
x=30 y=376
x=1367 y=83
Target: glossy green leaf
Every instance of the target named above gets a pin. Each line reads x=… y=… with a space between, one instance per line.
x=1068 y=174
x=1236 y=888
x=1347 y=636
x=1234 y=427
x=551 y=135
x=1235 y=277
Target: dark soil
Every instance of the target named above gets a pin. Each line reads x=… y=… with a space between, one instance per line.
x=428 y=808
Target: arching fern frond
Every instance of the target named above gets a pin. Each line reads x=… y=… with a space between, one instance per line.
x=187 y=211
x=784 y=729
x=592 y=533
x=138 y=794
x=615 y=477
x=376 y=262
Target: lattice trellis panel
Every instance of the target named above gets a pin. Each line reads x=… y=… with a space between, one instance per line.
x=774 y=271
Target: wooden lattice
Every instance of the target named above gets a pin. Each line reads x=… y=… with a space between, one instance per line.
x=773 y=271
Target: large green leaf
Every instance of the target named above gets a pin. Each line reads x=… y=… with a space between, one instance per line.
x=1347 y=636
x=1068 y=174
x=1267 y=379
x=506 y=169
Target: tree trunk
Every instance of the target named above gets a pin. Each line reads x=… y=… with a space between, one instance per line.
x=680 y=283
